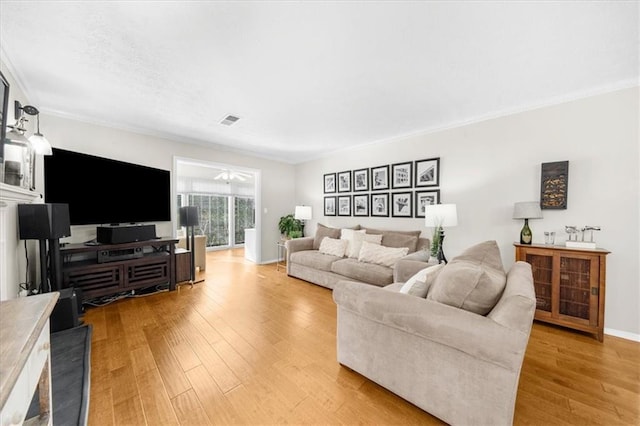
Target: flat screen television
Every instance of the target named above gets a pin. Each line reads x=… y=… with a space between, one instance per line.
x=102 y=191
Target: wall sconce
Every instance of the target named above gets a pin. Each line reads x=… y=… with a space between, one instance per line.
x=39 y=143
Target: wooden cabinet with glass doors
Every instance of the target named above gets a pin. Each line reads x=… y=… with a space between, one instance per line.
x=569 y=285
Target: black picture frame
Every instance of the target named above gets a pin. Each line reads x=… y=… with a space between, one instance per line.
x=427 y=172
x=343 y=205
x=379 y=178
x=402 y=175
x=431 y=197
x=343 y=181
x=379 y=205
x=329 y=180
x=361 y=180
x=402 y=204
x=361 y=205
x=329 y=206
x=554 y=185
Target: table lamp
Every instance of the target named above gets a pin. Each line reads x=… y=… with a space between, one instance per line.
x=439 y=216
x=302 y=213
x=526 y=210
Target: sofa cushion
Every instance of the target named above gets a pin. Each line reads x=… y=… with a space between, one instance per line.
x=313 y=259
x=333 y=247
x=419 y=284
x=366 y=272
x=354 y=246
x=381 y=255
x=324 y=231
x=473 y=281
x=327 y=231
x=407 y=239
x=349 y=235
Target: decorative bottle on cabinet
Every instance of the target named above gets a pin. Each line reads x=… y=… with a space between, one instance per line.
x=569 y=285
x=525 y=234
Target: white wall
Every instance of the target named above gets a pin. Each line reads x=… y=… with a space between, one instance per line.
x=277 y=178
x=13 y=262
x=278 y=183
x=487 y=166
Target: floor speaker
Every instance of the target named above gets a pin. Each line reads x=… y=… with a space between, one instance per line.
x=66 y=314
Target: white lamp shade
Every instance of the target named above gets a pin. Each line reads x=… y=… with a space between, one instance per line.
x=527 y=210
x=440 y=215
x=40 y=144
x=303 y=213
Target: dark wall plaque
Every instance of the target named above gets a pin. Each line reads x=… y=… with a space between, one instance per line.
x=554 y=185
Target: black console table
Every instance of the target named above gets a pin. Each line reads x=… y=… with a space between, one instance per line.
x=152 y=262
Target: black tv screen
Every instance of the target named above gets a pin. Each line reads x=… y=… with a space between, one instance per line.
x=103 y=191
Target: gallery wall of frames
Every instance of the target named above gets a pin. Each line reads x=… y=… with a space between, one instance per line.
x=396 y=190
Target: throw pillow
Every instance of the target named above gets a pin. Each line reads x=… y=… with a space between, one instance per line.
x=419 y=284
x=333 y=246
x=324 y=231
x=353 y=250
x=381 y=255
x=392 y=239
x=473 y=281
x=398 y=238
x=348 y=235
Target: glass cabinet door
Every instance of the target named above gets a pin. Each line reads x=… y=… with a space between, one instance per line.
x=577 y=297
x=542 y=268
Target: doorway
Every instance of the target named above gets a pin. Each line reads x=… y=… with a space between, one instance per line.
x=227 y=197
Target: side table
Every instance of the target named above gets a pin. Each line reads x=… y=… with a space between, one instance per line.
x=282 y=255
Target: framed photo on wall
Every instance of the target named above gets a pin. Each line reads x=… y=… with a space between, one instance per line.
x=361 y=180
x=426 y=198
x=401 y=175
x=379 y=178
x=380 y=204
x=427 y=172
x=344 y=205
x=329 y=183
x=361 y=205
x=401 y=204
x=554 y=185
x=344 y=181
x=329 y=206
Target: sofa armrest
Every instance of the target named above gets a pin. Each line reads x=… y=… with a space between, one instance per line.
x=409 y=265
x=476 y=335
x=299 y=244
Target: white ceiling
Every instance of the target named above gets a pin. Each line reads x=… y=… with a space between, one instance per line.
x=311 y=77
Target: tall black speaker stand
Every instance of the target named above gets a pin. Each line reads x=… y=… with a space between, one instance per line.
x=44 y=271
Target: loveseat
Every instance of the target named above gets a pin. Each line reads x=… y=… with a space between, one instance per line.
x=305 y=259
x=456 y=349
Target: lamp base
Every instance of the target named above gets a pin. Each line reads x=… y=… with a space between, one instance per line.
x=441 y=257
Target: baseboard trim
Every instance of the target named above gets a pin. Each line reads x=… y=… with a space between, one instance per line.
x=622 y=334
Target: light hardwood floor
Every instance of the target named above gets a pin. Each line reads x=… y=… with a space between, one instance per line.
x=250 y=345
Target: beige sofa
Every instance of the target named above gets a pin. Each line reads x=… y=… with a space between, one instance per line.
x=458 y=365
x=304 y=261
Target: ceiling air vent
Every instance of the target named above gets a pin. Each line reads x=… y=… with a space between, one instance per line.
x=229 y=120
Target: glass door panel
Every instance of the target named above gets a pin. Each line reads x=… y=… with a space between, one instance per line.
x=214 y=218
x=244 y=216
x=542 y=267
x=575 y=287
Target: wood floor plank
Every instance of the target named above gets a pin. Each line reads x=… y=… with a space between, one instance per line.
x=250 y=345
x=155 y=401
x=216 y=406
x=188 y=409
x=172 y=374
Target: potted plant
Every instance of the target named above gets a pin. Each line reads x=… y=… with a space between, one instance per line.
x=290 y=227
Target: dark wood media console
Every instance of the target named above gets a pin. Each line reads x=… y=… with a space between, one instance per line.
x=156 y=265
